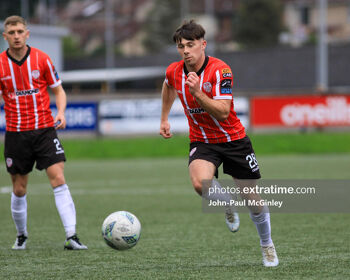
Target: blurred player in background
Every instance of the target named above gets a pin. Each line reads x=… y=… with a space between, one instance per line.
x=25 y=74
x=204 y=86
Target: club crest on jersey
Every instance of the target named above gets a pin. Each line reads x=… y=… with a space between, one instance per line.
x=207 y=87
x=9 y=162
x=36 y=74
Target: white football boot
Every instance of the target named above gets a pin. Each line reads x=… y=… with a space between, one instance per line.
x=20 y=243
x=269 y=256
x=73 y=243
x=232 y=220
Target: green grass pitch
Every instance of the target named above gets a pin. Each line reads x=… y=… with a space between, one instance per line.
x=178 y=240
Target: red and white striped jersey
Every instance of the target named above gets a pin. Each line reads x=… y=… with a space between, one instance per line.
x=216 y=82
x=23 y=85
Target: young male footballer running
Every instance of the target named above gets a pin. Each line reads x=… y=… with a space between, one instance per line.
x=25 y=74
x=204 y=86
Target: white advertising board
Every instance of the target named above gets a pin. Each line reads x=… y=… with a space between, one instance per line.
x=142 y=116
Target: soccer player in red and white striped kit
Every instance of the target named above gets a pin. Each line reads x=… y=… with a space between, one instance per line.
x=25 y=75
x=204 y=86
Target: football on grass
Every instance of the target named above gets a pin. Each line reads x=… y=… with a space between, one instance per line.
x=121 y=230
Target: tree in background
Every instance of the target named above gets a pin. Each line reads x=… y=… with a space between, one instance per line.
x=71 y=47
x=164 y=18
x=259 y=23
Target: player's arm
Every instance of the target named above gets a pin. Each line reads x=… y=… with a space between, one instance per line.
x=61 y=103
x=219 y=109
x=168 y=98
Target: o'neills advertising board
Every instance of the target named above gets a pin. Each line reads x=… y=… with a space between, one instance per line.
x=297 y=111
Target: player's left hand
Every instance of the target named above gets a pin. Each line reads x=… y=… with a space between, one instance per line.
x=60 y=121
x=193 y=83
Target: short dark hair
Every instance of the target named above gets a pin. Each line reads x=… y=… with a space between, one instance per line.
x=189 y=30
x=13 y=20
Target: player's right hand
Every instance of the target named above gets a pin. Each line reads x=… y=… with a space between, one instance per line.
x=165 y=130
x=60 y=121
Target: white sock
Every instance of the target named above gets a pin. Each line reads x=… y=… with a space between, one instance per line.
x=216 y=192
x=19 y=213
x=263 y=225
x=66 y=208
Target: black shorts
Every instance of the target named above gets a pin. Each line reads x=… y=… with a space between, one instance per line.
x=23 y=149
x=237 y=156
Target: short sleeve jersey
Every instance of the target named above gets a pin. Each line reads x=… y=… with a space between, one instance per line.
x=23 y=85
x=216 y=82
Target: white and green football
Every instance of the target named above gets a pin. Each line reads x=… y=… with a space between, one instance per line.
x=121 y=230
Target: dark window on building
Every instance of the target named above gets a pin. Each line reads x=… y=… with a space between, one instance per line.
x=305 y=15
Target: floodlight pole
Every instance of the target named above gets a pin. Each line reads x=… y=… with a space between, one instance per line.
x=24 y=9
x=210 y=12
x=52 y=12
x=184 y=9
x=209 y=8
x=322 y=48
x=43 y=8
x=109 y=40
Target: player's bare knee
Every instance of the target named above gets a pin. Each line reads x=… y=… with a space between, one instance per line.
x=197 y=185
x=19 y=190
x=19 y=184
x=57 y=180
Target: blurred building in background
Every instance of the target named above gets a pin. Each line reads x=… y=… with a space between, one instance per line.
x=47 y=38
x=86 y=20
x=301 y=20
x=280 y=55
x=119 y=49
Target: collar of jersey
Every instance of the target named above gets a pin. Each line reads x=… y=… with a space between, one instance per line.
x=199 y=72
x=22 y=60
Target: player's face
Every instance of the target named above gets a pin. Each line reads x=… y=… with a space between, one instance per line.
x=192 y=52
x=16 y=36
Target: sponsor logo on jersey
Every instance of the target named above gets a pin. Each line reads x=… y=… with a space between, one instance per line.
x=6 y=78
x=196 y=111
x=226 y=71
x=226 y=90
x=36 y=74
x=27 y=92
x=226 y=83
x=207 y=87
x=227 y=75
